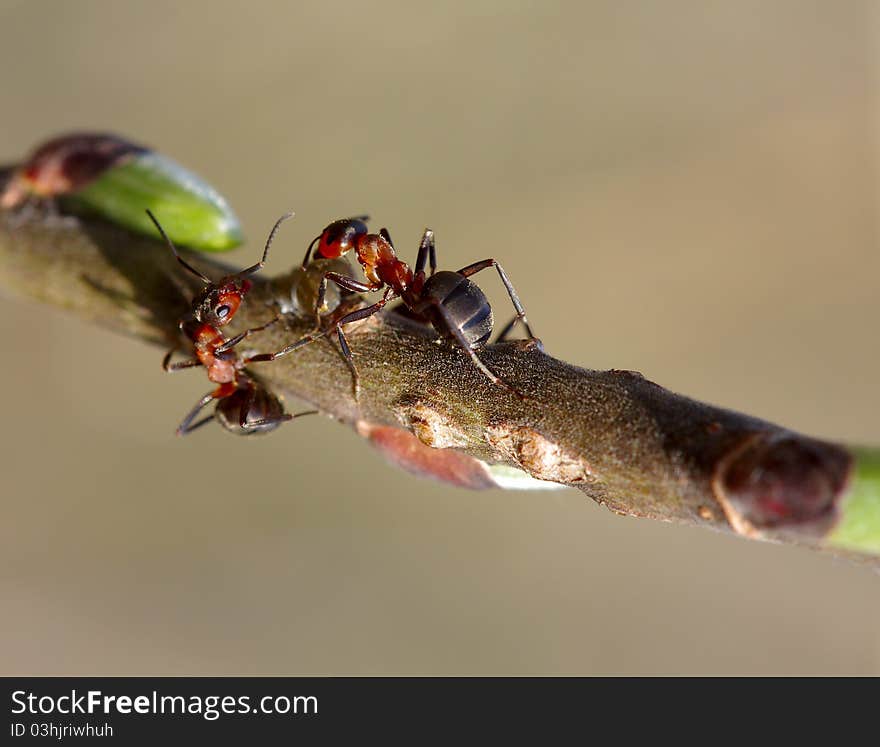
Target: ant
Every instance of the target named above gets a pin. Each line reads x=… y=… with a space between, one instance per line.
x=244 y=406
x=453 y=304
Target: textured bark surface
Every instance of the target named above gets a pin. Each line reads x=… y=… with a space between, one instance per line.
x=621 y=439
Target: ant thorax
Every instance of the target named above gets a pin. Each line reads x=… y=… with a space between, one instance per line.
x=370 y=255
x=396 y=275
x=380 y=263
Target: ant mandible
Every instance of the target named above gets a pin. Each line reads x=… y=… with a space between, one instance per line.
x=453 y=304
x=244 y=406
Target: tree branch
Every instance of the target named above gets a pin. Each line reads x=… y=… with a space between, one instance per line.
x=624 y=441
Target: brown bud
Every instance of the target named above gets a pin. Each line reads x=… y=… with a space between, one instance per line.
x=775 y=480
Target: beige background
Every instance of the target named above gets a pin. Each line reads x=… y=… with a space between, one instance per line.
x=686 y=189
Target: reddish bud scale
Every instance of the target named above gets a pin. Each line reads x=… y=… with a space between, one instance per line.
x=67 y=164
x=108 y=176
x=402 y=449
x=775 y=481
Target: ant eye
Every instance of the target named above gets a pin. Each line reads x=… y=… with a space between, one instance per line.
x=222 y=311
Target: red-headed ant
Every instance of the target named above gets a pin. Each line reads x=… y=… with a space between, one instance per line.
x=244 y=406
x=455 y=306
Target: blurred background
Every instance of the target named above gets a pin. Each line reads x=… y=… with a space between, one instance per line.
x=687 y=189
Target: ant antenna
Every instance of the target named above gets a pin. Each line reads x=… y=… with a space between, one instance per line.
x=309 y=250
x=180 y=259
x=253 y=268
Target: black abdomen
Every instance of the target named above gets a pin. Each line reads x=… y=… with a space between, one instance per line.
x=464 y=303
x=250 y=409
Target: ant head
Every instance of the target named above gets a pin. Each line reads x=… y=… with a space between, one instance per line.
x=218 y=302
x=339 y=237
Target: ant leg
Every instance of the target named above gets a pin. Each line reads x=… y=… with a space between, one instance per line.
x=359 y=314
x=345 y=351
x=170 y=367
x=349 y=361
x=261 y=357
x=308 y=256
x=186 y=426
x=511 y=291
x=508 y=328
x=354 y=316
x=204 y=421
x=427 y=252
x=233 y=341
x=319 y=302
x=310 y=338
x=459 y=337
x=344 y=282
x=343 y=343
x=282 y=419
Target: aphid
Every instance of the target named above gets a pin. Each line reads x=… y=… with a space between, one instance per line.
x=455 y=306
x=296 y=292
x=243 y=405
x=118 y=179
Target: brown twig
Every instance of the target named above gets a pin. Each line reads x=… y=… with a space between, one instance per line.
x=621 y=439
